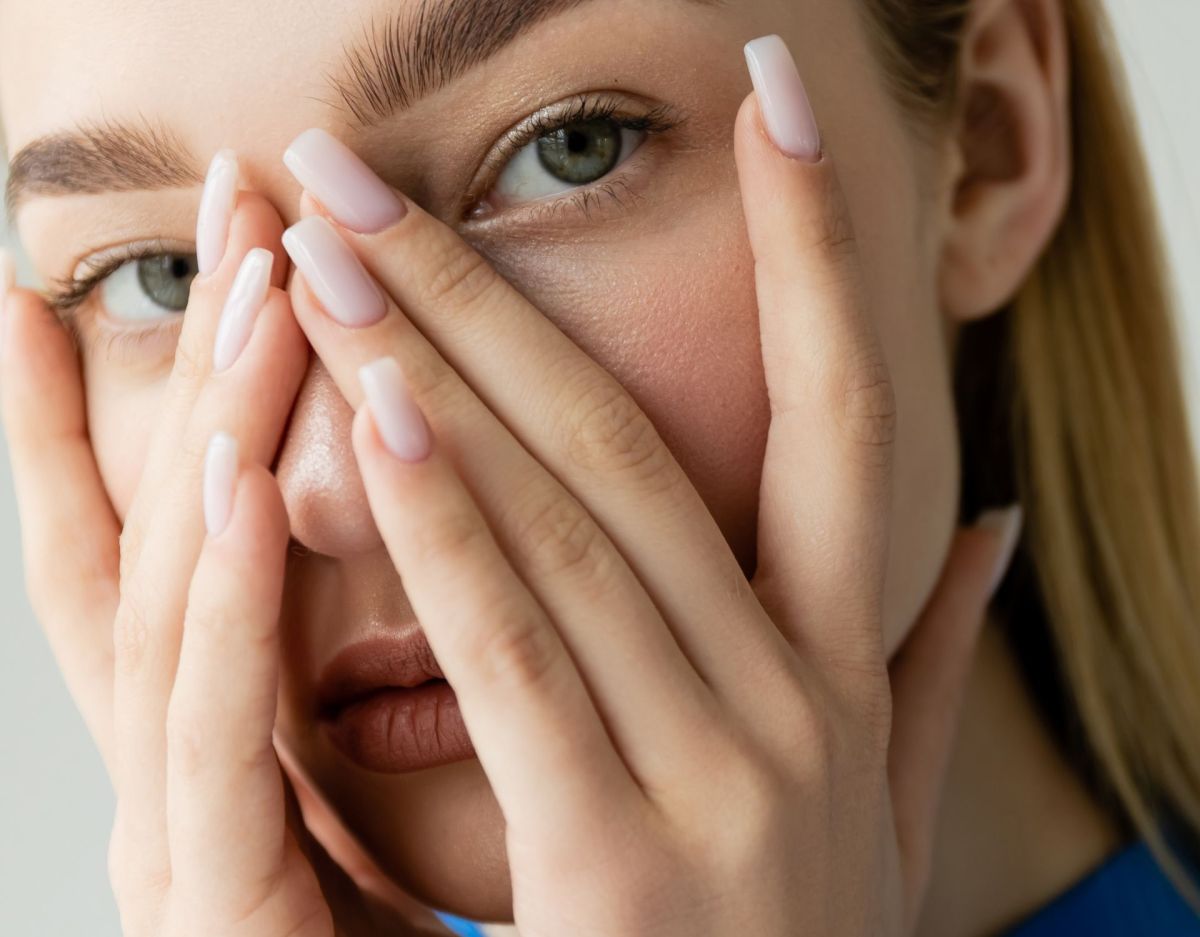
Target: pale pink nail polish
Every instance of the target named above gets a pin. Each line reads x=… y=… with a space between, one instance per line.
x=1006 y=524
x=401 y=424
x=220 y=480
x=786 y=109
x=8 y=279
x=348 y=292
x=342 y=182
x=245 y=299
x=216 y=211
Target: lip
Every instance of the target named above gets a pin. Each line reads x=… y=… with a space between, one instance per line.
x=385 y=705
x=404 y=659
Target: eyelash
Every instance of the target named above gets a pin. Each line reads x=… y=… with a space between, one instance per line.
x=67 y=295
x=581 y=109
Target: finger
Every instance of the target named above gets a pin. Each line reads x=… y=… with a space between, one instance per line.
x=254 y=223
x=825 y=494
x=929 y=678
x=573 y=416
x=225 y=804
x=69 y=531
x=520 y=694
x=628 y=657
x=148 y=623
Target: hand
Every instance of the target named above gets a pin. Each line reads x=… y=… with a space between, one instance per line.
x=167 y=636
x=675 y=751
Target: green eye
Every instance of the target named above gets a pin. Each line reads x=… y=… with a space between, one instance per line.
x=568 y=157
x=581 y=152
x=151 y=287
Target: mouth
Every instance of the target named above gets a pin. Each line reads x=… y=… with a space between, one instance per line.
x=386 y=706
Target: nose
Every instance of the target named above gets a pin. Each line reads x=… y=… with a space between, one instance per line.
x=318 y=474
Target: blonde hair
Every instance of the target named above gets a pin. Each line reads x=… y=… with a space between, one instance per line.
x=1072 y=400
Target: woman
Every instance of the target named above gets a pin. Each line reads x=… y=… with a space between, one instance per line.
x=480 y=360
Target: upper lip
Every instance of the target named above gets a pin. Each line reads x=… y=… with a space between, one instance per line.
x=398 y=660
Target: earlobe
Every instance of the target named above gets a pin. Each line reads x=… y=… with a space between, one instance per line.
x=1012 y=134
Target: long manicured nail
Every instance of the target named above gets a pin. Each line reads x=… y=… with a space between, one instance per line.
x=342 y=182
x=246 y=298
x=216 y=211
x=8 y=279
x=1006 y=524
x=348 y=292
x=786 y=110
x=220 y=480
x=400 y=422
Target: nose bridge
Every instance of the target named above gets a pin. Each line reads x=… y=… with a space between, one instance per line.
x=318 y=473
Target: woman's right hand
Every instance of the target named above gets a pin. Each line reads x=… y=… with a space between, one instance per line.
x=166 y=628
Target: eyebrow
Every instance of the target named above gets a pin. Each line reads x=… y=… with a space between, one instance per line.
x=415 y=51
x=113 y=156
x=398 y=60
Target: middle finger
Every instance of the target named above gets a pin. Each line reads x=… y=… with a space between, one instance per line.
x=571 y=414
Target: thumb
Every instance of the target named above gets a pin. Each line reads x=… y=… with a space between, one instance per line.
x=929 y=678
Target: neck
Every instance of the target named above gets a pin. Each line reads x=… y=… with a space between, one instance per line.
x=1017 y=825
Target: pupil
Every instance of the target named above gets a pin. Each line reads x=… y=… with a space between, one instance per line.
x=581 y=152
x=167 y=279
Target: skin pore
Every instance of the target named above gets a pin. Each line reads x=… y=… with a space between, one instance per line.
x=656 y=284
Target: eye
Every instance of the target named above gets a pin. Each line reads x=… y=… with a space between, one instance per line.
x=565 y=158
x=148 y=288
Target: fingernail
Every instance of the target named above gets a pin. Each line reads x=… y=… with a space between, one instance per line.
x=786 y=110
x=1006 y=524
x=400 y=422
x=335 y=274
x=342 y=182
x=246 y=298
x=220 y=479
x=216 y=211
x=8 y=279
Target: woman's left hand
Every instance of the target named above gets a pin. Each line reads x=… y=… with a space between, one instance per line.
x=676 y=751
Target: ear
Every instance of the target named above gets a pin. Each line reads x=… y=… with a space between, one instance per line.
x=1012 y=140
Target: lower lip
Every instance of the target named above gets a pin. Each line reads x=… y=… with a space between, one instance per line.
x=403 y=729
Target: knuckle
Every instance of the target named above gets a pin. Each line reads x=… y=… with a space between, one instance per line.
x=867 y=407
x=609 y=434
x=834 y=234
x=129 y=546
x=137 y=883
x=516 y=650
x=191 y=366
x=876 y=715
x=561 y=538
x=762 y=793
x=452 y=535
x=461 y=277
x=814 y=738
x=131 y=635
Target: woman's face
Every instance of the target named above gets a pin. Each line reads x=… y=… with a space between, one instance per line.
x=648 y=270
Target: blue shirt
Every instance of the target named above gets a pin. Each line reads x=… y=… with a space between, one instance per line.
x=1127 y=896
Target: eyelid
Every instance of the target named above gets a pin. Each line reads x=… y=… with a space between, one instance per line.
x=624 y=108
x=66 y=294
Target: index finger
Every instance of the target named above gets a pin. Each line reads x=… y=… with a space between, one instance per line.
x=825 y=495
x=69 y=530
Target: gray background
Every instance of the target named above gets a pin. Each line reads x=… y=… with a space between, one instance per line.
x=55 y=801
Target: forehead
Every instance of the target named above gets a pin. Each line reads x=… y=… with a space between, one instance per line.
x=63 y=61
x=67 y=58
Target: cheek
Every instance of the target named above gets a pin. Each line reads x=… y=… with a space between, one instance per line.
x=673 y=317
